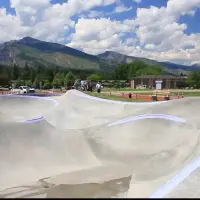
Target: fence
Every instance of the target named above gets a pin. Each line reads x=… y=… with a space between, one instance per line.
x=9 y=92
x=148 y=97
x=145 y=97
x=14 y=92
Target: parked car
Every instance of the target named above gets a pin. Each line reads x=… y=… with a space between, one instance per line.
x=32 y=90
x=24 y=89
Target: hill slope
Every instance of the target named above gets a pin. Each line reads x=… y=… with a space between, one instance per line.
x=35 y=51
x=49 y=54
x=170 y=68
x=196 y=65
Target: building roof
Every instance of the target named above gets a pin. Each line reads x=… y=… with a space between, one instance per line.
x=160 y=77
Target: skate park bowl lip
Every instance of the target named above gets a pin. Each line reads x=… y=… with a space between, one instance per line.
x=133 y=118
x=32 y=120
x=75 y=92
x=35 y=119
x=126 y=120
x=80 y=94
x=148 y=116
x=42 y=94
x=30 y=96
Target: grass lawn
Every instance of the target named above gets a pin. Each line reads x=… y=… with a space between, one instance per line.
x=119 y=98
x=174 y=92
x=191 y=94
x=113 y=97
x=123 y=89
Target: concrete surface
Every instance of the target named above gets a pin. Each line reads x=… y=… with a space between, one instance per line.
x=189 y=188
x=80 y=146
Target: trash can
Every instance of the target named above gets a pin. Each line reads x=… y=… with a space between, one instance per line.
x=130 y=95
x=99 y=90
x=166 y=98
x=154 y=98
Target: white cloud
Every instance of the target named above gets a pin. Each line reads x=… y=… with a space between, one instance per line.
x=35 y=3
x=122 y=8
x=154 y=33
x=93 y=14
x=157 y=30
x=150 y=47
x=137 y=1
x=96 y=46
x=104 y=35
x=101 y=29
x=43 y=20
x=10 y=26
x=130 y=41
x=182 y=7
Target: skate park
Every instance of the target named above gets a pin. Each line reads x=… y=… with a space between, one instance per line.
x=76 y=145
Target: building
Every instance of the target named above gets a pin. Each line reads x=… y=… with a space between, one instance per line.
x=149 y=81
x=112 y=83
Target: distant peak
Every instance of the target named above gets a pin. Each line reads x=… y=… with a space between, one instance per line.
x=110 y=53
x=196 y=64
x=28 y=40
x=113 y=54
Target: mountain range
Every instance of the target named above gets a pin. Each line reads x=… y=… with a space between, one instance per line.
x=169 y=68
x=196 y=65
x=52 y=54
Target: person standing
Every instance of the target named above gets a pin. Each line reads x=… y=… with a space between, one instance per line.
x=98 y=87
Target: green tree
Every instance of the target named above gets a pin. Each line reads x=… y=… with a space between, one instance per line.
x=49 y=74
x=121 y=72
x=69 y=79
x=194 y=79
x=40 y=71
x=28 y=83
x=4 y=75
x=15 y=72
x=47 y=85
x=62 y=78
x=19 y=82
x=32 y=74
x=82 y=75
x=150 y=70
x=137 y=68
x=37 y=81
x=95 y=77
x=4 y=79
x=57 y=81
x=117 y=84
x=108 y=76
x=26 y=72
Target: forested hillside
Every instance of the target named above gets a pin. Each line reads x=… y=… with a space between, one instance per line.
x=56 y=76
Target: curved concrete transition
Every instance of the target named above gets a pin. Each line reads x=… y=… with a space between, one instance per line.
x=76 y=145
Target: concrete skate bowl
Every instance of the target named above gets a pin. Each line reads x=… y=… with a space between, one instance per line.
x=24 y=107
x=77 y=110
x=97 y=148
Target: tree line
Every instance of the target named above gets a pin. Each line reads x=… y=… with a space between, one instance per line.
x=194 y=79
x=40 y=76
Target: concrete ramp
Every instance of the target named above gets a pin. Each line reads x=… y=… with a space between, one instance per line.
x=77 y=110
x=76 y=145
x=39 y=150
x=25 y=107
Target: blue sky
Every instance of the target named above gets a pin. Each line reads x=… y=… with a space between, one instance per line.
x=165 y=30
